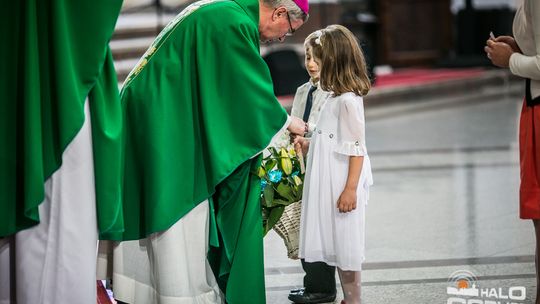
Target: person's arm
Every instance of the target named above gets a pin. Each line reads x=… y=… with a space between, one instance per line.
x=505 y=55
x=292 y=124
x=529 y=66
x=351 y=142
x=347 y=199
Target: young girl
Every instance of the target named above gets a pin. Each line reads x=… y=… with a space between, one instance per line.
x=320 y=278
x=338 y=172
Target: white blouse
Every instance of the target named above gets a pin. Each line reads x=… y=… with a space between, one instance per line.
x=526 y=30
x=299 y=104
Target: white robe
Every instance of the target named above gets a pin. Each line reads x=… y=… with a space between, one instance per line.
x=168 y=267
x=55 y=261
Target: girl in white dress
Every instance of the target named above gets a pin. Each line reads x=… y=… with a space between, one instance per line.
x=338 y=172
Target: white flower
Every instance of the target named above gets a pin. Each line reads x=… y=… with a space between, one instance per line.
x=318 y=34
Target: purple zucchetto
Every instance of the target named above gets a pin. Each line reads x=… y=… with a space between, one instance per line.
x=303 y=5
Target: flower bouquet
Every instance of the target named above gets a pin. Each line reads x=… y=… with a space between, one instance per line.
x=282 y=175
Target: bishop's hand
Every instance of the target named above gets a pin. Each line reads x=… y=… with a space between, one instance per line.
x=297 y=126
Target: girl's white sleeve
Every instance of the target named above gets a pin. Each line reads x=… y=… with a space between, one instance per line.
x=351 y=127
x=529 y=66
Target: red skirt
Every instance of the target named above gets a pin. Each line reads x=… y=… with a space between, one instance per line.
x=529 y=156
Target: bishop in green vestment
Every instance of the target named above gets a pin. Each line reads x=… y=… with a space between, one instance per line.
x=60 y=161
x=199 y=108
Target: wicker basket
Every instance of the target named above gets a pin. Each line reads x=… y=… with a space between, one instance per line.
x=288 y=228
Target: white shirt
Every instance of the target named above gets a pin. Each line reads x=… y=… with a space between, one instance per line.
x=526 y=30
x=299 y=104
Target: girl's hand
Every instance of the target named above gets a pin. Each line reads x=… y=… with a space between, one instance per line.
x=510 y=41
x=499 y=53
x=301 y=142
x=347 y=201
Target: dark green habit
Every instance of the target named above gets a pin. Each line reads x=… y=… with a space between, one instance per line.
x=198 y=107
x=55 y=55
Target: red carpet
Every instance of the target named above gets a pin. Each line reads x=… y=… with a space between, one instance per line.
x=102 y=296
x=411 y=77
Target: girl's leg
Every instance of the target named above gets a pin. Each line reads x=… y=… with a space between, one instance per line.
x=350 y=283
x=536 y=260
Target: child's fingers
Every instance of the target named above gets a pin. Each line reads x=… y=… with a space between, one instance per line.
x=506 y=39
x=352 y=205
x=343 y=206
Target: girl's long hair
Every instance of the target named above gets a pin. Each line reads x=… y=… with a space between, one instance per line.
x=343 y=66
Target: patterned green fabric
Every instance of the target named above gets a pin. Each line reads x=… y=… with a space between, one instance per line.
x=55 y=55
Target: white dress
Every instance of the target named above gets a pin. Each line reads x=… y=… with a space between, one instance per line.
x=326 y=234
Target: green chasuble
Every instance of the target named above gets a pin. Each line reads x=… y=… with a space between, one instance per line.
x=54 y=54
x=198 y=107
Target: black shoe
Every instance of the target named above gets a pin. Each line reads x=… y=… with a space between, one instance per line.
x=296 y=291
x=312 y=297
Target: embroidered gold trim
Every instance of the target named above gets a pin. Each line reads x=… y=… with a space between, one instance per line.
x=165 y=33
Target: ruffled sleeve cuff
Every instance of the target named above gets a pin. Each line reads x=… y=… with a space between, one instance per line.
x=351 y=148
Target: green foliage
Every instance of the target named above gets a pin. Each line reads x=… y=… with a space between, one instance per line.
x=281 y=183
